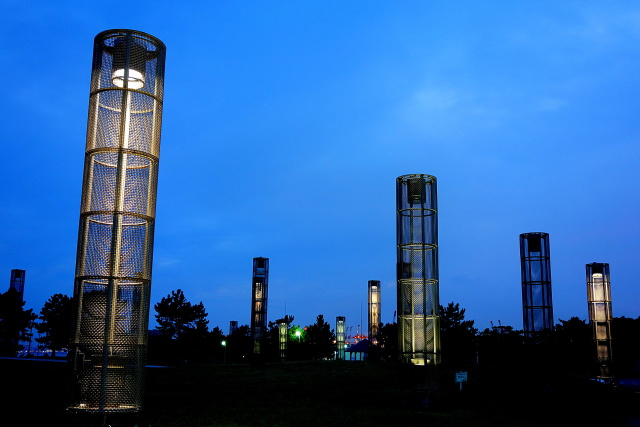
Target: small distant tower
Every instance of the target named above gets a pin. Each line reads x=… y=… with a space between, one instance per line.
x=259 y=292
x=283 y=329
x=340 y=337
x=599 y=301
x=417 y=269
x=17 y=282
x=535 y=263
x=233 y=326
x=374 y=310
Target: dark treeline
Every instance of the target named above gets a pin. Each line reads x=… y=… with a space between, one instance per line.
x=182 y=335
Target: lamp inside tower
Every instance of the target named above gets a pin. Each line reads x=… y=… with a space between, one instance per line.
x=129 y=64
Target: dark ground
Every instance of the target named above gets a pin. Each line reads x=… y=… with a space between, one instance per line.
x=331 y=393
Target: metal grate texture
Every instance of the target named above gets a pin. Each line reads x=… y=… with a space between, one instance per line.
x=535 y=263
x=117 y=216
x=417 y=269
x=259 y=292
x=600 y=314
x=374 y=310
x=341 y=329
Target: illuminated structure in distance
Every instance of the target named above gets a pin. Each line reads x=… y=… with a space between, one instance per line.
x=283 y=334
x=374 y=310
x=535 y=264
x=341 y=329
x=600 y=315
x=259 y=294
x=17 y=282
x=417 y=269
x=117 y=217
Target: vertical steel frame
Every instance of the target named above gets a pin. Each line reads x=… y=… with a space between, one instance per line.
x=600 y=314
x=283 y=335
x=341 y=329
x=537 y=304
x=417 y=269
x=374 y=310
x=17 y=282
x=259 y=295
x=117 y=217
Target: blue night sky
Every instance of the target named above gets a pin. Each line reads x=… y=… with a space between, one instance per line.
x=286 y=124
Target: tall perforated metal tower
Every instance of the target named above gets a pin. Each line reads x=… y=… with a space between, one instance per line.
x=117 y=217
x=17 y=282
x=341 y=333
x=535 y=264
x=259 y=295
x=600 y=314
x=374 y=310
x=283 y=338
x=417 y=269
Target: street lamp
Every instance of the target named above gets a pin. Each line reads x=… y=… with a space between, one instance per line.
x=223 y=343
x=298 y=335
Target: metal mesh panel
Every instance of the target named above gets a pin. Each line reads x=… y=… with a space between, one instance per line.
x=341 y=327
x=417 y=269
x=117 y=216
x=600 y=314
x=374 y=310
x=535 y=263
x=259 y=292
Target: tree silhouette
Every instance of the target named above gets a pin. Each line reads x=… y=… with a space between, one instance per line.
x=56 y=321
x=177 y=317
x=458 y=336
x=320 y=338
x=183 y=331
x=14 y=322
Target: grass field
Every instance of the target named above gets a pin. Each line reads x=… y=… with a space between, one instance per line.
x=331 y=393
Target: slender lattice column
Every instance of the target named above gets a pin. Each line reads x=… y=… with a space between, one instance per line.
x=537 y=305
x=600 y=315
x=417 y=269
x=117 y=217
x=341 y=329
x=17 y=282
x=259 y=292
x=283 y=334
x=374 y=310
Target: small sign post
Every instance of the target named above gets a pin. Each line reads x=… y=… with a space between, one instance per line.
x=461 y=377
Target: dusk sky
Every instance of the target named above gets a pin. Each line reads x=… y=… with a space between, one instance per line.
x=286 y=124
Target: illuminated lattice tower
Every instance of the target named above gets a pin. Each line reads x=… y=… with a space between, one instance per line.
x=283 y=335
x=535 y=263
x=259 y=294
x=341 y=329
x=417 y=269
x=17 y=282
x=374 y=310
x=117 y=217
x=599 y=301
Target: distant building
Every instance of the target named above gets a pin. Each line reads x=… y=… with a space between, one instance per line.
x=537 y=304
x=358 y=351
x=259 y=296
x=17 y=282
